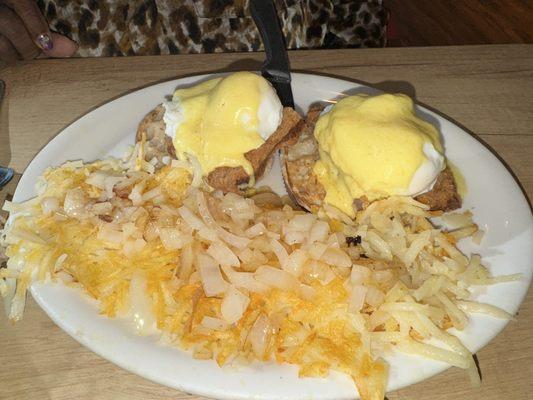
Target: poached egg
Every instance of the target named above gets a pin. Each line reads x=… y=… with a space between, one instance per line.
x=217 y=121
x=375 y=146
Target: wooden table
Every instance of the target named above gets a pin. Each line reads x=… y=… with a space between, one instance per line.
x=486 y=89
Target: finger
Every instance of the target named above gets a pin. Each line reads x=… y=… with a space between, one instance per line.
x=7 y=51
x=13 y=29
x=63 y=46
x=34 y=21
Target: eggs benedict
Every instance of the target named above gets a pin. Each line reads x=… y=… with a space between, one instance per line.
x=219 y=120
x=230 y=125
x=365 y=148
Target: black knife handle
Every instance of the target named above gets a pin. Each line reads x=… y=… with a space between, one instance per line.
x=266 y=18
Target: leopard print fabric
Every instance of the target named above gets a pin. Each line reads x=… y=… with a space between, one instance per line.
x=150 y=27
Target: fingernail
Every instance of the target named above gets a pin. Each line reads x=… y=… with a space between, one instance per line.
x=45 y=41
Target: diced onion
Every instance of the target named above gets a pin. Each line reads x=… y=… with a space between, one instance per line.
x=294 y=237
x=102 y=208
x=74 y=203
x=318 y=232
x=255 y=230
x=302 y=222
x=380 y=245
x=281 y=253
x=223 y=254
x=49 y=205
x=359 y=274
x=210 y=274
x=97 y=179
x=228 y=237
x=192 y=220
x=357 y=298
x=276 y=277
x=374 y=296
x=136 y=193
x=259 y=335
x=233 y=305
x=244 y=280
x=336 y=257
x=296 y=261
x=173 y=238
x=321 y=271
x=110 y=235
x=317 y=250
x=110 y=183
x=151 y=194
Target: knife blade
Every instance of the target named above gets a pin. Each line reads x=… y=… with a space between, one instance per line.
x=5 y=173
x=276 y=68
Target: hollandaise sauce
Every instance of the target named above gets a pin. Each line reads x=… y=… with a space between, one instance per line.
x=375 y=146
x=219 y=120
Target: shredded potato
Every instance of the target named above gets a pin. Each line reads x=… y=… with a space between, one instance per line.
x=234 y=281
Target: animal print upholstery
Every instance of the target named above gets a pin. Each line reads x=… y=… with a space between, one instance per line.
x=148 y=27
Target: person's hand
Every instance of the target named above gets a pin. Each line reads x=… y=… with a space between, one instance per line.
x=24 y=33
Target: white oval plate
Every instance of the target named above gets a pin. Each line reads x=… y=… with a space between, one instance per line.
x=496 y=200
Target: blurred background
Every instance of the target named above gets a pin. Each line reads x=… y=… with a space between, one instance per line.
x=150 y=27
x=459 y=22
